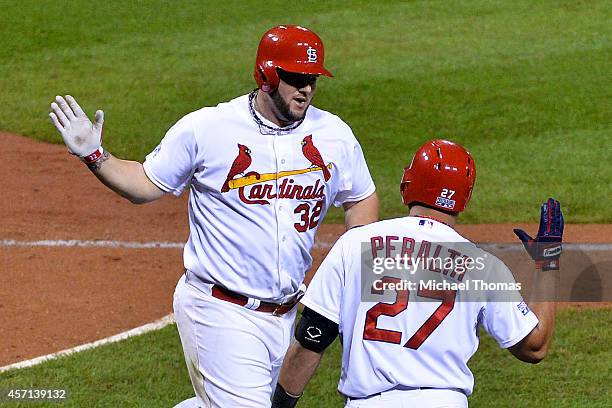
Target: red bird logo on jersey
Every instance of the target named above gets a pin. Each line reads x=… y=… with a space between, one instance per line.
x=312 y=153
x=240 y=164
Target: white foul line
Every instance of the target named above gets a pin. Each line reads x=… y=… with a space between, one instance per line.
x=90 y=244
x=159 y=324
x=319 y=244
x=511 y=247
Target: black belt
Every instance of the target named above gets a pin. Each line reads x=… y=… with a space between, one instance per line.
x=402 y=388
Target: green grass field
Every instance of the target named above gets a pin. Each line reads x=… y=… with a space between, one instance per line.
x=523 y=84
x=149 y=371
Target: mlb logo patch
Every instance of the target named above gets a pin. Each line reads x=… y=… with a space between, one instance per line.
x=523 y=308
x=156 y=150
x=445 y=203
x=425 y=223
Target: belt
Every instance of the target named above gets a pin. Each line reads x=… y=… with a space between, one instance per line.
x=402 y=388
x=267 y=307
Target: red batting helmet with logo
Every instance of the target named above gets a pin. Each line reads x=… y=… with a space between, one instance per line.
x=441 y=176
x=291 y=48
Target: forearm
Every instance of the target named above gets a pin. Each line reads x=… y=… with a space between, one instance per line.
x=361 y=212
x=534 y=347
x=543 y=304
x=545 y=249
x=127 y=178
x=299 y=366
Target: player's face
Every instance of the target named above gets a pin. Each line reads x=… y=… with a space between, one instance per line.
x=293 y=96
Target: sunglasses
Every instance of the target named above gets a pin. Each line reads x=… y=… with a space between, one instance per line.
x=297 y=80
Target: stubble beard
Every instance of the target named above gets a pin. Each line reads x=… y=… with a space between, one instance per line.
x=285 y=111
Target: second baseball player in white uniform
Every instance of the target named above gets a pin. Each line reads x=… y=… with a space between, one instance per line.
x=262 y=169
x=412 y=350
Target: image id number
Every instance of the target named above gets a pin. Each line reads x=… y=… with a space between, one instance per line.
x=25 y=394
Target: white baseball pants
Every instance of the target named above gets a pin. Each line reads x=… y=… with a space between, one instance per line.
x=233 y=354
x=421 y=398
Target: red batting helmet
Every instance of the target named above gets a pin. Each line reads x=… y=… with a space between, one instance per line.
x=289 y=47
x=441 y=176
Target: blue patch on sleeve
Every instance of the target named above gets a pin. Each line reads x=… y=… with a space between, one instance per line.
x=524 y=309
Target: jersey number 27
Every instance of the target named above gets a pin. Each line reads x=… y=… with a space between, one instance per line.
x=371 y=332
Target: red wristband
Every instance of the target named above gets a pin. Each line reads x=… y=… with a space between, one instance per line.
x=549 y=265
x=93 y=157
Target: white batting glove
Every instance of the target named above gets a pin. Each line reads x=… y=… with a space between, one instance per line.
x=82 y=137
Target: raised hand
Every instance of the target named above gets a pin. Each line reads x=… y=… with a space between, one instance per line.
x=82 y=137
x=545 y=249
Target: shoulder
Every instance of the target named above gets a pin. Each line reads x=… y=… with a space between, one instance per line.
x=487 y=265
x=235 y=108
x=496 y=265
x=203 y=126
x=320 y=117
x=363 y=233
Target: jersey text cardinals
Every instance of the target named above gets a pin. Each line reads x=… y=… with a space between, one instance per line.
x=257 y=199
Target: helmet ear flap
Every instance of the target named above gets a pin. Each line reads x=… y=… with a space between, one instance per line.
x=403 y=186
x=264 y=86
x=266 y=77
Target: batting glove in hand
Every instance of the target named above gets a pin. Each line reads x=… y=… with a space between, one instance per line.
x=546 y=248
x=82 y=137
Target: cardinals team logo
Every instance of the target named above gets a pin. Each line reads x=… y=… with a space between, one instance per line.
x=260 y=192
x=240 y=164
x=312 y=54
x=312 y=153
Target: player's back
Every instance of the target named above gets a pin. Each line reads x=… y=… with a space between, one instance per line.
x=413 y=336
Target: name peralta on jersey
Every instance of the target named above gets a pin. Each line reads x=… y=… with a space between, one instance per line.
x=257 y=198
x=423 y=336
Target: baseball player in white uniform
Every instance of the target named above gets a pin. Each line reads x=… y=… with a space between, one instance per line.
x=262 y=171
x=411 y=349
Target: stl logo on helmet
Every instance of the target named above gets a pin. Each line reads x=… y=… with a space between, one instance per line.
x=312 y=54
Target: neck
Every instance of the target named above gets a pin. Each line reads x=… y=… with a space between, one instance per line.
x=265 y=107
x=419 y=210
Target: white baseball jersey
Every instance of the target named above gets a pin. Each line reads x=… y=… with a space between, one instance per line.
x=422 y=337
x=257 y=196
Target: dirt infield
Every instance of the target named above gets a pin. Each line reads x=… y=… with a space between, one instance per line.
x=55 y=297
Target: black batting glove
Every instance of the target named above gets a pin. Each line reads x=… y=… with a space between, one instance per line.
x=546 y=248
